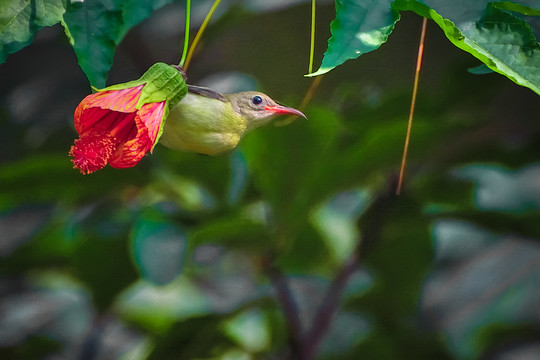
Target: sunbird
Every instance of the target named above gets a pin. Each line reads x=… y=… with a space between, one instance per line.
x=209 y=122
x=120 y=124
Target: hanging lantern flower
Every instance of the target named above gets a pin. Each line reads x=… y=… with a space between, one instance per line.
x=118 y=125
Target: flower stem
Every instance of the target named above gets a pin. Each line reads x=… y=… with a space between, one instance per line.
x=312 y=40
x=316 y=81
x=199 y=34
x=186 y=34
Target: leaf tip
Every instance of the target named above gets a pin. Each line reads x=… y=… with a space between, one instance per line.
x=321 y=71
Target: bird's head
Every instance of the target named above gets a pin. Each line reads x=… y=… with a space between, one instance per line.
x=258 y=108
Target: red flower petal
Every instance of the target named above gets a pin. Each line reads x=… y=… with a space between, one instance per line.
x=148 y=121
x=123 y=101
x=152 y=117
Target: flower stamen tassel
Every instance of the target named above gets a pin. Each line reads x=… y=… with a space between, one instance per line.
x=118 y=125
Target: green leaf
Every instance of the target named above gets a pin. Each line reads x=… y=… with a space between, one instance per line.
x=21 y=19
x=524 y=225
x=530 y=7
x=134 y=11
x=158 y=249
x=481 y=69
x=195 y=338
x=250 y=330
x=94 y=27
x=163 y=82
x=336 y=221
x=486 y=29
x=157 y=308
x=234 y=231
x=360 y=26
x=504 y=42
x=57 y=181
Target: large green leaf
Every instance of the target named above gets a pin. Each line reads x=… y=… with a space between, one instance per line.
x=96 y=27
x=134 y=11
x=493 y=31
x=93 y=27
x=360 y=26
x=530 y=7
x=504 y=42
x=20 y=19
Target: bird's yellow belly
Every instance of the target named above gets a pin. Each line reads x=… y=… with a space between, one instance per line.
x=207 y=142
x=201 y=125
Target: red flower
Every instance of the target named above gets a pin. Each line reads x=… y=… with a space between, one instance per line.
x=112 y=130
x=120 y=124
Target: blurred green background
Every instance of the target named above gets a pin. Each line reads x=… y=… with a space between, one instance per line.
x=182 y=256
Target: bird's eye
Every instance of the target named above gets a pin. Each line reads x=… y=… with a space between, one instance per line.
x=256 y=100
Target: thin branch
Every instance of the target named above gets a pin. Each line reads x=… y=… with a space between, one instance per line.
x=289 y=307
x=372 y=224
x=413 y=103
x=316 y=81
x=330 y=304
